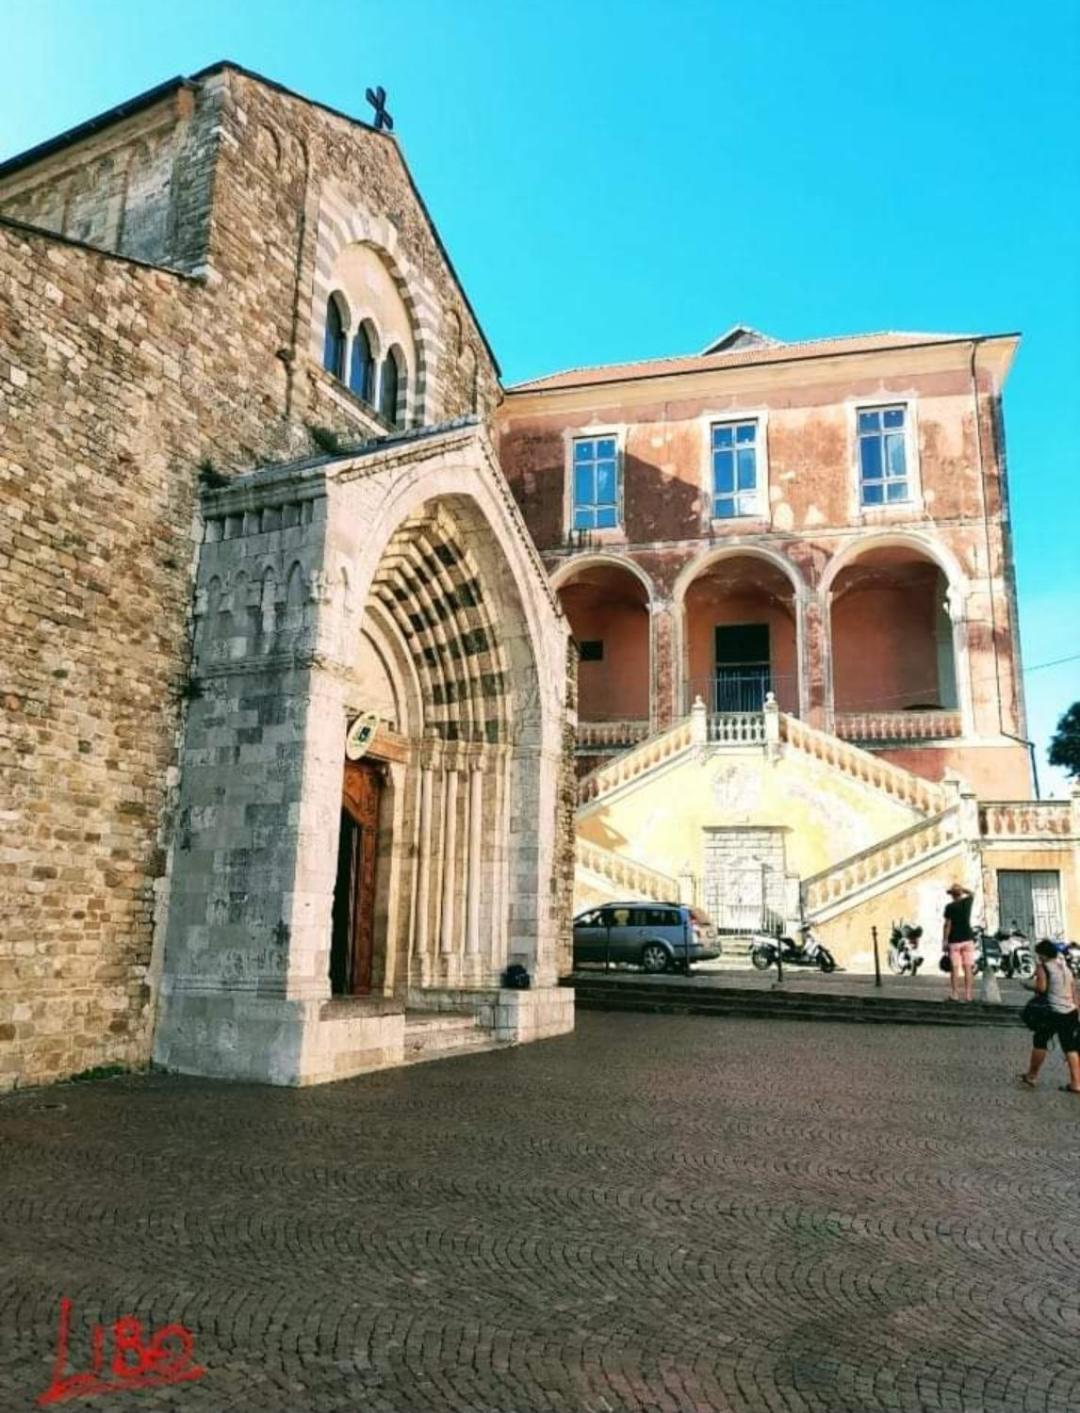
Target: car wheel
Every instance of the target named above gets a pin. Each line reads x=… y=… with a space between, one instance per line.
x=655 y=958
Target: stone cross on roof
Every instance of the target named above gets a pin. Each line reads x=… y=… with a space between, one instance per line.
x=377 y=98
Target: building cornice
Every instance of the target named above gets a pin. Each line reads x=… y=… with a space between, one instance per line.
x=752 y=365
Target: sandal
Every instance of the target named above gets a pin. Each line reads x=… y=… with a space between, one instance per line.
x=1068 y=1089
x=1030 y=1083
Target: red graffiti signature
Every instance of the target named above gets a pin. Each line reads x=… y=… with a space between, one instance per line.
x=165 y=1360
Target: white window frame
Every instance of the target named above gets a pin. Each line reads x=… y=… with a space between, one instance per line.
x=897 y=509
x=736 y=524
x=611 y=534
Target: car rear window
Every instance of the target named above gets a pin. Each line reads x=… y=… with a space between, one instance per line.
x=658 y=917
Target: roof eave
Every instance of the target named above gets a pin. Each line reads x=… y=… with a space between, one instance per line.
x=535 y=388
x=90 y=126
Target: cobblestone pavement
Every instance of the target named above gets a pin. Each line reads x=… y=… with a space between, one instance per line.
x=656 y=1213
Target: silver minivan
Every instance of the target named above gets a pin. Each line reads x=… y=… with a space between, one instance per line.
x=656 y=936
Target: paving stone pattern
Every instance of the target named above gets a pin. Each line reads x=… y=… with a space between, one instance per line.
x=655 y=1213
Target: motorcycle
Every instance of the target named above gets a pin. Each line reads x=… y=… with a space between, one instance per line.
x=1016 y=954
x=806 y=952
x=904 y=957
x=1002 y=953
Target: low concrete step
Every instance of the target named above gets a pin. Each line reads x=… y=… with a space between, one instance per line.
x=435 y=1036
x=626 y=993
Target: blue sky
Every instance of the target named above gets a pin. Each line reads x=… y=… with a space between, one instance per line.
x=621 y=180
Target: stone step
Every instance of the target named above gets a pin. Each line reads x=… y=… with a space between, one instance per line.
x=734 y=954
x=431 y=1036
x=626 y=994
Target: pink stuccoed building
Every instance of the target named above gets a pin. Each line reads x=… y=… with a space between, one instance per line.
x=826 y=520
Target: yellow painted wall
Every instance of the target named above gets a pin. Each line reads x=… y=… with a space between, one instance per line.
x=920 y=901
x=660 y=820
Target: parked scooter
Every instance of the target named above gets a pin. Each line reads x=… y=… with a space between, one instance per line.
x=905 y=958
x=806 y=952
x=1016 y=954
x=989 y=957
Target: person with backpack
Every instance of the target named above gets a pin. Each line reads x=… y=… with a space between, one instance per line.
x=1053 y=1010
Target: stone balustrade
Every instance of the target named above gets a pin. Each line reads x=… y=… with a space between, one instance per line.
x=737 y=728
x=1025 y=819
x=836 y=884
x=902 y=785
x=897 y=727
x=633 y=879
x=602 y=734
x=628 y=766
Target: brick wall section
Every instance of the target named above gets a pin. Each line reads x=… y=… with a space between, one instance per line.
x=116 y=381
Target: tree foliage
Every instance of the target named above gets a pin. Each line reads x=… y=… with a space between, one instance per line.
x=1065 y=746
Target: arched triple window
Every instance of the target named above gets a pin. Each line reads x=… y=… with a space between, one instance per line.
x=362 y=369
x=392 y=386
x=337 y=326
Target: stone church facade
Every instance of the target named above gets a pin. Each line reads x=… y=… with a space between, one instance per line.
x=250 y=503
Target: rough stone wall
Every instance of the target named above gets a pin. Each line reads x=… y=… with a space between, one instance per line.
x=228 y=172
x=141 y=187
x=95 y=564
x=116 y=382
x=278 y=154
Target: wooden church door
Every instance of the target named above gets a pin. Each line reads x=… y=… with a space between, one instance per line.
x=352 y=948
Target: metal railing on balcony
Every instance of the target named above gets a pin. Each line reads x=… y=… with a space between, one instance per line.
x=737 y=689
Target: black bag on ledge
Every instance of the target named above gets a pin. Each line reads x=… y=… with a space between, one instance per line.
x=516 y=978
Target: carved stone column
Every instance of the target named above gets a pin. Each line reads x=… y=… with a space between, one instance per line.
x=448 y=921
x=476 y=844
x=421 y=931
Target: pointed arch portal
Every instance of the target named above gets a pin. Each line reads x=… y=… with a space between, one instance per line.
x=316 y=898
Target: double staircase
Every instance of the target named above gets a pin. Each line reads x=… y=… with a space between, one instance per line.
x=931 y=814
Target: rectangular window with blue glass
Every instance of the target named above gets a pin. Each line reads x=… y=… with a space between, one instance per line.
x=735 y=469
x=883 y=473
x=596 y=484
